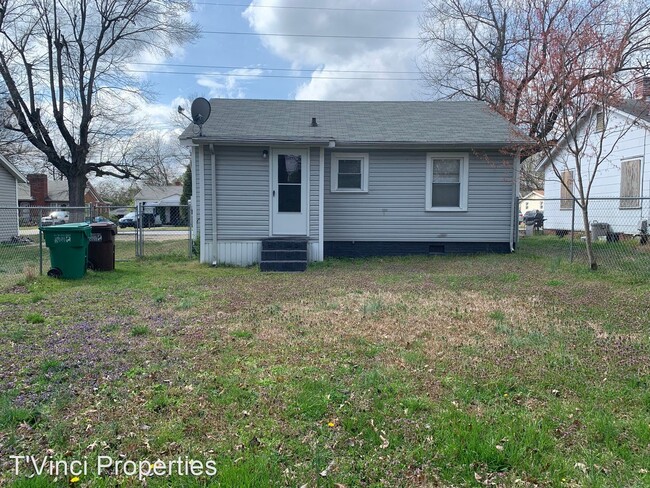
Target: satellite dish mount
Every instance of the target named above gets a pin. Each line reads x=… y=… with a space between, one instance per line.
x=200 y=113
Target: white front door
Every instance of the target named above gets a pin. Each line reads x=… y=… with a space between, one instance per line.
x=289 y=169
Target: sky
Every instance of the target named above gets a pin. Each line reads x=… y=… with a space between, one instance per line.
x=309 y=58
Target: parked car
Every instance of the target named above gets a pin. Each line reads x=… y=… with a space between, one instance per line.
x=132 y=218
x=534 y=218
x=55 y=218
x=102 y=220
x=129 y=220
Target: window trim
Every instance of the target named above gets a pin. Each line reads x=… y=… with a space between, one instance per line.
x=464 y=181
x=563 y=189
x=620 y=190
x=334 y=177
x=600 y=121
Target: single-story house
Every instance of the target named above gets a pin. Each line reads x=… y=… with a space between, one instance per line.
x=10 y=178
x=622 y=180
x=533 y=200
x=279 y=180
x=164 y=201
x=39 y=191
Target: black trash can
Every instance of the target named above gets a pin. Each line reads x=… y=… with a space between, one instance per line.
x=101 y=249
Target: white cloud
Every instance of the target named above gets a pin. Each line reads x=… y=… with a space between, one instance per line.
x=334 y=56
x=230 y=84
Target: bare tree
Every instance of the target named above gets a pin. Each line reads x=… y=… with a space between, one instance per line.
x=497 y=50
x=583 y=66
x=64 y=66
x=159 y=155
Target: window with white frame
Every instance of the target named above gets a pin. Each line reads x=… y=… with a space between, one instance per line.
x=446 y=179
x=349 y=172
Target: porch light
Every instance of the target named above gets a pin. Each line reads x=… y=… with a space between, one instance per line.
x=265 y=154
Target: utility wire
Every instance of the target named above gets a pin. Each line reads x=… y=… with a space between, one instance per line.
x=207 y=66
x=320 y=36
x=255 y=75
x=304 y=7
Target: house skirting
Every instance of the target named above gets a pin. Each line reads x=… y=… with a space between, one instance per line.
x=244 y=253
x=361 y=249
x=248 y=253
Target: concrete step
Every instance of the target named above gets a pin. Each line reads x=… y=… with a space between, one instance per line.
x=283 y=266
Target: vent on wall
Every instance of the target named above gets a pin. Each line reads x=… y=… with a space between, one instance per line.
x=437 y=249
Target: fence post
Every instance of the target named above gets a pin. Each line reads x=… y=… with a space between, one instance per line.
x=40 y=243
x=188 y=215
x=573 y=225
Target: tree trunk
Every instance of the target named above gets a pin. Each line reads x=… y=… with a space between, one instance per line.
x=77 y=194
x=591 y=258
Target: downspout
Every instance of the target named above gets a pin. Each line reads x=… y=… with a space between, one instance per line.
x=195 y=193
x=321 y=200
x=201 y=171
x=515 y=191
x=215 y=253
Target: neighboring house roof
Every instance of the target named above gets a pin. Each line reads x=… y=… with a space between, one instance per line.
x=24 y=192
x=57 y=191
x=534 y=193
x=4 y=162
x=443 y=123
x=637 y=110
x=158 y=193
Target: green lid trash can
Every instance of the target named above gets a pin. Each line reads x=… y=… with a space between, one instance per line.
x=68 y=244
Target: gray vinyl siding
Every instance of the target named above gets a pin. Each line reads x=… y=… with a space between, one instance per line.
x=392 y=210
x=394 y=207
x=314 y=176
x=8 y=217
x=242 y=193
x=242 y=187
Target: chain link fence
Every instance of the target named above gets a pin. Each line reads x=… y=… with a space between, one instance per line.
x=618 y=229
x=147 y=231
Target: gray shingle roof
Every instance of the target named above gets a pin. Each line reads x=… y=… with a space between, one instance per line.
x=149 y=192
x=435 y=123
x=637 y=108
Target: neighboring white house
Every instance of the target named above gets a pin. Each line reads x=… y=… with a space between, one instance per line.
x=281 y=182
x=163 y=201
x=532 y=201
x=10 y=177
x=623 y=177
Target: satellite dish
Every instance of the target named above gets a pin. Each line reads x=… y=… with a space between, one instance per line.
x=200 y=111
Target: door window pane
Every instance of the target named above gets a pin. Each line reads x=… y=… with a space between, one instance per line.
x=289 y=198
x=289 y=183
x=289 y=168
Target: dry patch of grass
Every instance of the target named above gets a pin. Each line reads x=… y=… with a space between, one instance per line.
x=401 y=372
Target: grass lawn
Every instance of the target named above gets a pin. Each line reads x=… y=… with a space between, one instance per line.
x=508 y=370
x=16 y=259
